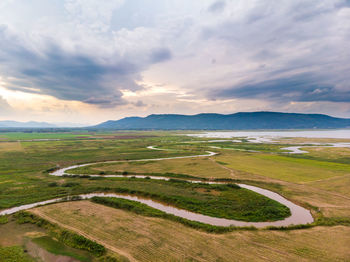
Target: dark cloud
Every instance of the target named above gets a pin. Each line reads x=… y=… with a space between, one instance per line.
x=106 y=101
x=160 y=55
x=343 y=4
x=299 y=88
x=217 y=6
x=139 y=104
x=71 y=75
x=290 y=50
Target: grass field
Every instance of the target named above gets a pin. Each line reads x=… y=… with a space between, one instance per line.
x=200 y=167
x=155 y=239
x=10 y=146
x=46 y=135
x=286 y=168
x=318 y=181
x=14 y=254
x=330 y=153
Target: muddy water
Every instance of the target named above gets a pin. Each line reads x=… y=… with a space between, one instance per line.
x=297 y=149
x=299 y=215
x=294 y=150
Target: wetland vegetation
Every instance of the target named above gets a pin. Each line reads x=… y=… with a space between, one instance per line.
x=317 y=181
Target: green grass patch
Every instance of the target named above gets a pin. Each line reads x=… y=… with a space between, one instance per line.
x=14 y=254
x=142 y=209
x=4 y=219
x=225 y=201
x=58 y=248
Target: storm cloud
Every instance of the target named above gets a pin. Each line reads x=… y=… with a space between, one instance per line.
x=299 y=88
x=72 y=75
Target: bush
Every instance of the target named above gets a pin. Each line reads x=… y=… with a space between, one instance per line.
x=77 y=241
x=71 y=184
x=53 y=184
x=4 y=219
x=333 y=221
x=110 y=259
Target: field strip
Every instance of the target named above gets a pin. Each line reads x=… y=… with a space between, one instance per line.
x=80 y=232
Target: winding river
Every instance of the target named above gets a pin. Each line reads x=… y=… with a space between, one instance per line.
x=299 y=215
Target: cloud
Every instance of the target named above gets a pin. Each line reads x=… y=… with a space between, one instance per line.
x=217 y=6
x=72 y=74
x=160 y=55
x=259 y=52
x=5 y=108
x=300 y=88
x=139 y=104
x=96 y=15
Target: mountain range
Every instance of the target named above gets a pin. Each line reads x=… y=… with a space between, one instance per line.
x=30 y=124
x=34 y=124
x=237 y=121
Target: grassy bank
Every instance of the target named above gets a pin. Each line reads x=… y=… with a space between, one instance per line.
x=66 y=237
x=142 y=209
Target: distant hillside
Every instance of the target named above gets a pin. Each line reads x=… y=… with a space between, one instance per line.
x=238 y=121
x=31 y=124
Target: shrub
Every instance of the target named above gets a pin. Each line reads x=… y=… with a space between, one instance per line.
x=4 y=219
x=71 y=184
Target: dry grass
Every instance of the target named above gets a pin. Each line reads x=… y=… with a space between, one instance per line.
x=195 y=167
x=329 y=152
x=13 y=234
x=336 y=184
x=155 y=239
x=10 y=146
x=283 y=168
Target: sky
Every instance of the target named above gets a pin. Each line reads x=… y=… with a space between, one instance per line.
x=88 y=61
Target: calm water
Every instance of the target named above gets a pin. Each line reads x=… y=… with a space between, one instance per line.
x=262 y=135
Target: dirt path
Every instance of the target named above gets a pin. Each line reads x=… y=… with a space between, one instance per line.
x=232 y=173
x=112 y=248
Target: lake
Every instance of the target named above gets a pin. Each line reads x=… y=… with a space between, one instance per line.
x=267 y=135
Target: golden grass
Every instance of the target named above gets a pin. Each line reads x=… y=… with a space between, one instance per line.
x=202 y=167
x=329 y=152
x=336 y=184
x=10 y=146
x=284 y=168
x=155 y=239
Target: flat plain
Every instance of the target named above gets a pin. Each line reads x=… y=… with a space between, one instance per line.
x=318 y=181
